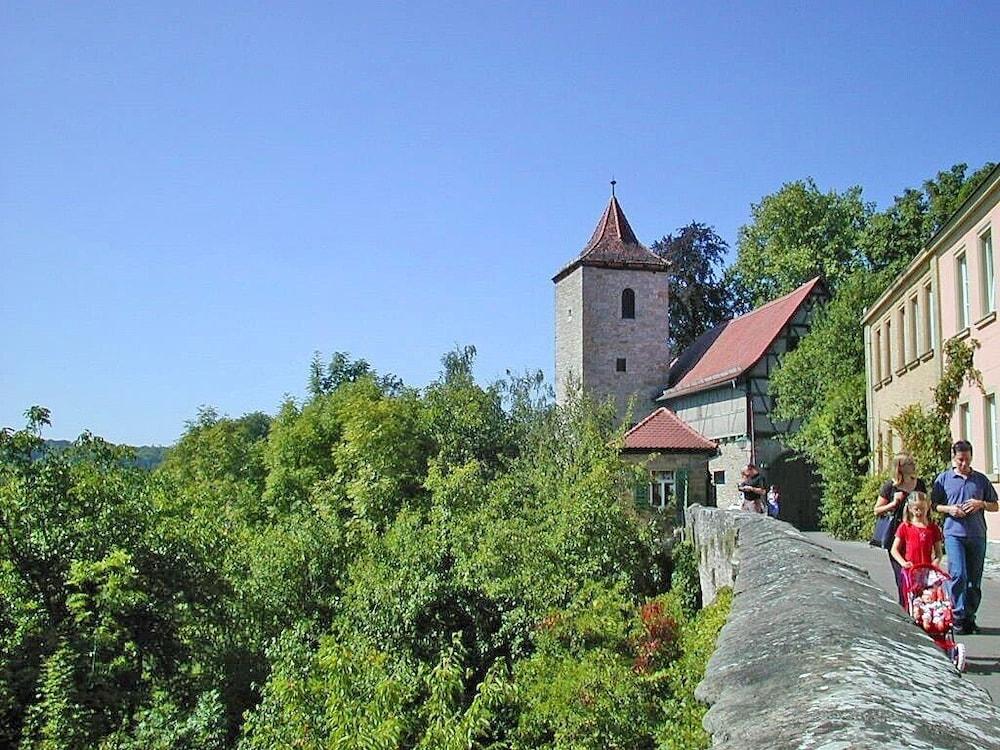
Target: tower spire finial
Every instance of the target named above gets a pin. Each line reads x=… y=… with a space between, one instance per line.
x=613 y=183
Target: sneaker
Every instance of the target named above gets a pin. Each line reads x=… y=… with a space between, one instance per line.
x=963 y=628
x=972 y=627
x=959 y=657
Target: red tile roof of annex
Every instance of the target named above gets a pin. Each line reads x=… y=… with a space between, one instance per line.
x=664 y=430
x=741 y=342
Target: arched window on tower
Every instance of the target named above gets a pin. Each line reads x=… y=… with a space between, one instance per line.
x=628 y=304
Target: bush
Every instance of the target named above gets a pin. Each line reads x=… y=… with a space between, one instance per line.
x=684 y=580
x=682 y=713
x=582 y=688
x=861 y=521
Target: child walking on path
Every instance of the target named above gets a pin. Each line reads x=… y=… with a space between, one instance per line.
x=919 y=541
x=892 y=499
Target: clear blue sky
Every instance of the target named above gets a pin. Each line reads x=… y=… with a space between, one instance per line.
x=195 y=197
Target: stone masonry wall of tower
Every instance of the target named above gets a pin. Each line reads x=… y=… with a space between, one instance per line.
x=569 y=332
x=641 y=342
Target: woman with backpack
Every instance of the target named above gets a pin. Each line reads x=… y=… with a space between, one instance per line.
x=892 y=500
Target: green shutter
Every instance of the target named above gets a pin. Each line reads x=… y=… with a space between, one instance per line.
x=681 y=490
x=640 y=494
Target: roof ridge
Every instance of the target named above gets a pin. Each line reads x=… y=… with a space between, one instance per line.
x=645 y=419
x=776 y=300
x=620 y=229
x=614 y=245
x=663 y=429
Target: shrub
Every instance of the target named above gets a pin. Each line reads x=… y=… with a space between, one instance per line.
x=658 y=642
x=681 y=728
x=684 y=580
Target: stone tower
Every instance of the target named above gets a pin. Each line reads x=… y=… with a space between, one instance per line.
x=612 y=318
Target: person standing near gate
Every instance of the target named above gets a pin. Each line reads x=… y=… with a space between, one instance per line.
x=754 y=490
x=963 y=494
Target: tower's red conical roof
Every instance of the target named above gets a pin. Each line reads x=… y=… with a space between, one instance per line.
x=614 y=245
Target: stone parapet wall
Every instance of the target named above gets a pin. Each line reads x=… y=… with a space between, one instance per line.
x=816 y=655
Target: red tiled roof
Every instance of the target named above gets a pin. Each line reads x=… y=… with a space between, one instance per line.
x=664 y=430
x=614 y=245
x=731 y=348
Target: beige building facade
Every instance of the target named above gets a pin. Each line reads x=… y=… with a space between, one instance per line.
x=948 y=291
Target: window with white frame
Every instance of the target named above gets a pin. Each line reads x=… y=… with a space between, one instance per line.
x=877 y=355
x=901 y=337
x=932 y=326
x=914 y=317
x=962 y=290
x=927 y=343
x=990 y=433
x=887 y=340
x=988 y=293
x=964 y=422
x=661 y=489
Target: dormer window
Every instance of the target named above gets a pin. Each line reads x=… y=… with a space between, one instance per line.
x=628 y=304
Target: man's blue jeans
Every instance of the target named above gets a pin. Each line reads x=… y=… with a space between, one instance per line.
x=965 y=566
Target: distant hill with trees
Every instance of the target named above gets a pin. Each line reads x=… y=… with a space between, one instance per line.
x=145 y=456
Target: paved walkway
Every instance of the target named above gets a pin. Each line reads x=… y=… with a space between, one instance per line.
x=983 y=649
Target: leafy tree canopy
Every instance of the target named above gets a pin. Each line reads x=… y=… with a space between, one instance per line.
x=820 y=385
x=796 y=234
x=699 y=297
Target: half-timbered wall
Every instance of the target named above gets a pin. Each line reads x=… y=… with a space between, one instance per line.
x=721 y=413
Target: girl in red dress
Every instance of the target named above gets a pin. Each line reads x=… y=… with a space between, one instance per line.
x=918 y=539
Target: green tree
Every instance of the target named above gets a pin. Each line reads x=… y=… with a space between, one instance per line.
x=465 y=421
x=820 y=385
x=341 y=369
x=796 y=234
x=351 y=694
x=948 y=191
x=700 y=298
x=893 y=237
x=97 y=590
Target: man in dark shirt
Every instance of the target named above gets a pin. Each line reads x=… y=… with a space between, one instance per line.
x=754 y=489
x=962 y=494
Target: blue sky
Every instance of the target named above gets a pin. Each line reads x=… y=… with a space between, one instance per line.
x=194 y=197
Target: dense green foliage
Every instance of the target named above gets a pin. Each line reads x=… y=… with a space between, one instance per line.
x=377 y=566
x=700 y=297
x=796 y=234
x=799 y=232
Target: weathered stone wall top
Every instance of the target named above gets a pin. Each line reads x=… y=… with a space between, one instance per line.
x=816 y=655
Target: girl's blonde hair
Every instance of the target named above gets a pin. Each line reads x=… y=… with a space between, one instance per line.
x=901 y=461
x=912 y=499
